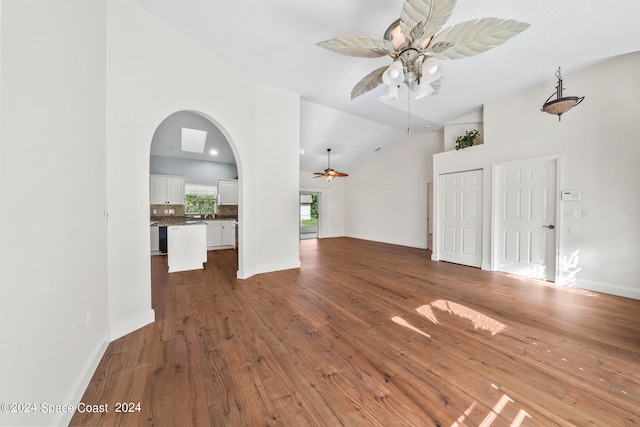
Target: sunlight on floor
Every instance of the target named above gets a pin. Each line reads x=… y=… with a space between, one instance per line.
x=493 y=415
x=479 y=320
x=543 y=353
x=400 y=321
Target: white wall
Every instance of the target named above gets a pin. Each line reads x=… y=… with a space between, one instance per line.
x=152 y=72
x=275 y=193
x=597 y=141
x=53 y=261
x=194 y=171
x=386 y=198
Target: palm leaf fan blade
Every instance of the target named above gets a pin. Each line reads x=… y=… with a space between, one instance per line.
x=360 y=46
x=368 y=82
x=473 y=37
x=432 y=13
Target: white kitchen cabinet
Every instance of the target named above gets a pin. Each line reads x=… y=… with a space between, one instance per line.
x=155 y=239
x=228 y=192
x=166 y=189
x=214 y=234
x=175 y=190
x=228 y=233
x=221 y=234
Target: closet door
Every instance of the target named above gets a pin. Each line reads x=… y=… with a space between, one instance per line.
x=461 y=218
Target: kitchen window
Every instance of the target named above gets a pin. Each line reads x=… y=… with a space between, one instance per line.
x=200 y=198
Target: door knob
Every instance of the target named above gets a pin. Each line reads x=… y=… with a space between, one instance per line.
x=550 y=227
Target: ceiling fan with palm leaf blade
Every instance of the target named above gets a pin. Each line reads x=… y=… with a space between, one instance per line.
x=416 y=42
x=329 y=173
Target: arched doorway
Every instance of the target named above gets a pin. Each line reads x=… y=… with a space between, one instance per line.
x=193 y=148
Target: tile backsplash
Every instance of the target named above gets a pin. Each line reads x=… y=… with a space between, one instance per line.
x=163 y=210
x=227 y=211
x=224 y=211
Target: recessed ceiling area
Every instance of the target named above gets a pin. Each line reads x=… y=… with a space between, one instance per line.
x=204 y=139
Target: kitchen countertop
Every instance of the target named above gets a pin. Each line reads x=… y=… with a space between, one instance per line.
x=169 y=223
x=164 y=221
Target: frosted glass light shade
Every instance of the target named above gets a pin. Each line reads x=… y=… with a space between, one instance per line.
x=390 y=93
x=431 y=70
x=394 y=75
x=422 y=90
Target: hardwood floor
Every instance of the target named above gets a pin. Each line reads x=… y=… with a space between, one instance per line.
x=370 y=334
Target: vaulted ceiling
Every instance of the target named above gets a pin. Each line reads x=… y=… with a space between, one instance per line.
x=274 y=42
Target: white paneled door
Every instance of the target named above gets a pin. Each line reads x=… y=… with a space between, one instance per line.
x=524 y=218
x=460 y=218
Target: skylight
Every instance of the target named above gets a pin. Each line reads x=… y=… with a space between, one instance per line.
x=193 y=140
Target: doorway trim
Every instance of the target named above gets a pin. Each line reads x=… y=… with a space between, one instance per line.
x=319 y=213
x=495 y=188
x=324 y=206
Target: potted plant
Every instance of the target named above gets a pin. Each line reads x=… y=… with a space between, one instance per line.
x=467 y=140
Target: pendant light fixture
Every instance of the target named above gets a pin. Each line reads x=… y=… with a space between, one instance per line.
x=561 y=104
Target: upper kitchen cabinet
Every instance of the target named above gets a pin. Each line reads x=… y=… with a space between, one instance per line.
x=228 y=192
x=166 y=189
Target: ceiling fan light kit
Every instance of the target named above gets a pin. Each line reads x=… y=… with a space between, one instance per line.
x=561 y=104
x=415 y=41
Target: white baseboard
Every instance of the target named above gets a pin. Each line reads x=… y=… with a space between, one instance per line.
x=607 y=288
x=330 y=236
x=418 y=245
x=130 y=325
x=268 y=268
x=220 y=247
x=245 y=274
x=82 y=381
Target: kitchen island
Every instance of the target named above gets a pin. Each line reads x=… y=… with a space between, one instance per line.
x=184 y=241
x=187 y=246
x=220 y=233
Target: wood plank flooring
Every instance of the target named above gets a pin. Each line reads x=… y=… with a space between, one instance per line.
x=371 y=334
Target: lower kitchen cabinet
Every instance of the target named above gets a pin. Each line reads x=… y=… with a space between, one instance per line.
x=214 y=236
x=228 y=233
x=221 y=234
